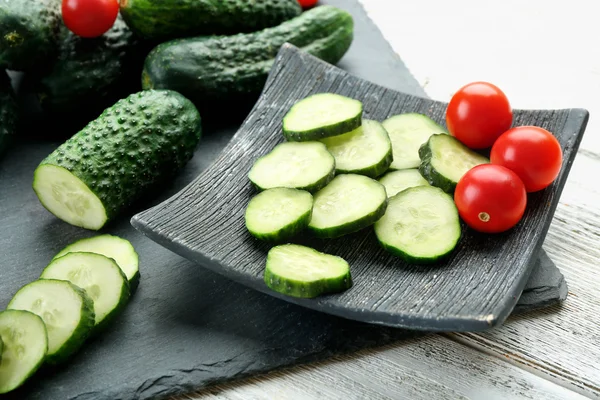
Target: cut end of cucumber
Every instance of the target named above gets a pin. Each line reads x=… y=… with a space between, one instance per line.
x=397 y=181
x=25 y=343
x=452 y=158
x=322 y=115
x=297 y=165
x=68 y=198
x=278 y=214
x=301 y=271
x=119 y=249
x=421 y=225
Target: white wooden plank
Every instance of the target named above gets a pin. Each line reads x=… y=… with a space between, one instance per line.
x=422 y=368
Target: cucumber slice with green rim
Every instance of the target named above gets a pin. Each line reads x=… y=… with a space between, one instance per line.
x=407 y=133
x=98 y=275
x=114 y=247
x=66 y=309
x=322 y=115
x=348 y=204
x=397 y=181
x=305 y=165
x=444 y=160
x=301 y=271
x=278 y=214
x=25 y=346
x=421 y=225
x=366 y=150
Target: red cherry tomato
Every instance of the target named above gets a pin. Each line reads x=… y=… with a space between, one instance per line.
x=89 y=18
x=307 y=3
x=490 y=198
x=477 y=114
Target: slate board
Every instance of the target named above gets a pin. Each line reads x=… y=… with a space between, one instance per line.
x=187 y=327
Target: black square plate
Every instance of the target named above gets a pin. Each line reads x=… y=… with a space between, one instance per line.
x=474 y=290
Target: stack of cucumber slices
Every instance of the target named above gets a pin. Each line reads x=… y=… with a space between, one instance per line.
x=78 y=293
x=337 y=174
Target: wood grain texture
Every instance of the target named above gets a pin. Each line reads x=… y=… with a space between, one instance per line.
x=474 y=290
x=423 y=368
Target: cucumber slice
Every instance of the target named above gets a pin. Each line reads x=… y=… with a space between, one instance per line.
x=98 y=275
x=421 y=225
x=322 y=115
x=114 y=247
x=68 y=198
x=444 y=160
x=366 y=150
x=300 y=271
x=278 y=214
x=348 y=204
x=306 y=166
x=397 y=181
x=66 y=309
x=25 y=345
x=407 y=133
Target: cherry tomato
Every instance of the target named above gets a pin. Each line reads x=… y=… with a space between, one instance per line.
x=89 y=18
x=531 y=152
x=307 y=3
x=490 y=198
x=477 y=114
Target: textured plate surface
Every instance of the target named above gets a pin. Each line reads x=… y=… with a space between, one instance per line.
x=474 y=290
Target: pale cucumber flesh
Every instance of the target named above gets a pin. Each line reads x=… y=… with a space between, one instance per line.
x=397 y=181
x=452 y=159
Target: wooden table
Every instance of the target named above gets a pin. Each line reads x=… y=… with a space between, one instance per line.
x=543 y=54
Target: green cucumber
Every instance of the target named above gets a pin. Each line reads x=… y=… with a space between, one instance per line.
x=114 y=247
x=300 y=271
x=297 y=165
x=320 y=116
x=397 y=181
x=67 y=311
x=407 y=133
x=223 y=69
x=25 y=346
x=99 y=276
x=126 y=153
x=1 y=349
x=348 y=204
x=421 y=225
x=278 y=214
x=364 y=151
x=8 y=112
x=165 y=19
x=444 y=160
x=28 y=30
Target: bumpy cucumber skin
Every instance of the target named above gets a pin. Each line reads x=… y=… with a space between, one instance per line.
x=323 y=132
x=350 y=227
x=226 y=68
x=135 y=279
x=166 y=19
x=34 y=367
x=138 y=143
x=8 y=112
x=89 y=75
x=373 y=171
x=295 y=288
x=28 y=30
x=81 y=332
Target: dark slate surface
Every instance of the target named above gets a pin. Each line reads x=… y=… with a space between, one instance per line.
x=186 y=327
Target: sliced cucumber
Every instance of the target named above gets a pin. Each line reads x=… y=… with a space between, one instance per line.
x=407 y=133
x=114 y=247
x=306 y=166
x=397 y=181
x=421 y=225
x=279 y=214
x=66 y=309
x=25 y=346
x=300 y=271
x=348 y=204
x=98 y=275
x=366 y=150
x=67 y=197
x=444 y=160
x=322 y=115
